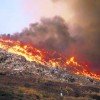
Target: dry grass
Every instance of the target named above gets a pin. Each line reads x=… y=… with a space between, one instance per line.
x=29 y=91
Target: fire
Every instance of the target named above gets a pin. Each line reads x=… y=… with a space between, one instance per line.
x=48 y=58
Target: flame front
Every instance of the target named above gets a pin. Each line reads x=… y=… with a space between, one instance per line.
x=44 y=57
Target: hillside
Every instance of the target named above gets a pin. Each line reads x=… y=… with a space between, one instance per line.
x=24 y=80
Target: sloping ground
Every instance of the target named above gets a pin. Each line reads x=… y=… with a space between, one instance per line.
x=23 y=80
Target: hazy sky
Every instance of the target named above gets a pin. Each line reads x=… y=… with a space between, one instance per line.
x=17 y=14
x=12 y=18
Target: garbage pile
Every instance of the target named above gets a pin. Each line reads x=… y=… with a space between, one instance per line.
x=11 y=64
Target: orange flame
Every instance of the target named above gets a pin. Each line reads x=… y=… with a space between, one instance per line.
x=44 y=57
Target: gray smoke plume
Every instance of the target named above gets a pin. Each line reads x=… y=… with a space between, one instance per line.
x=51 y=34
x=87 y=18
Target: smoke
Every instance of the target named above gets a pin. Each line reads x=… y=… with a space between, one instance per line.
x=51 y=34
x=83 y=21
x=89 y=15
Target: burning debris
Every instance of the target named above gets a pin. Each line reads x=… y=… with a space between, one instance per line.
x=13 y=64
x=46 y=58
x=51 y=58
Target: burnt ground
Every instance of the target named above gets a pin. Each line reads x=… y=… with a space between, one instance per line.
x=23 y=80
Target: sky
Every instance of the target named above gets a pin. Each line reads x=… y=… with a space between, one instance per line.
x=17 y=14
x=12 y=18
